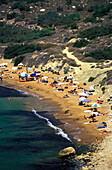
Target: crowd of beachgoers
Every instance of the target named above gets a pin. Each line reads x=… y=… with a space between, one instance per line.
x=66 y=85
x=80 y=104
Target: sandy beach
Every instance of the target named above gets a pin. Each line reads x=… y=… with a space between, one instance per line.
x=70 y=113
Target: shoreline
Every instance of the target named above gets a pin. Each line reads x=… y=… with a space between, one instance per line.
x=71 y=124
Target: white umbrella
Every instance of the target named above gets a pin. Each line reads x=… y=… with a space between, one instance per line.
x=23 y=74
x=45 y=77
x=88 y=111
x=69 y=77
x=82 y=98
x=4 y=64
x=14 y=68
x=75 y=82
x=83 y=94
x=20 y=64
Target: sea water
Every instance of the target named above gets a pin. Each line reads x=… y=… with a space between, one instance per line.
x=27 y=136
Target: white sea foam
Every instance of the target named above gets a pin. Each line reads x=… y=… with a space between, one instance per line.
x=76 y=138
x=59 y=130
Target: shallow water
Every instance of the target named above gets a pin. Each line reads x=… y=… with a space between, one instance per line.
x=28 y=139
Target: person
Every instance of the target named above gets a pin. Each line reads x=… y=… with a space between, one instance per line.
x=91 y=117
x=9 y=98
x=99 y=100
x=1 y=77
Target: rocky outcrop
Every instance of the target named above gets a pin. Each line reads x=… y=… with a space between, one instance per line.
x=69 y=151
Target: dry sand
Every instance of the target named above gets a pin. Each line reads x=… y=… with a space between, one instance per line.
x=74 y=119
x=75 y=116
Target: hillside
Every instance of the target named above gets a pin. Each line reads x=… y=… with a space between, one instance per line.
x=36 y=32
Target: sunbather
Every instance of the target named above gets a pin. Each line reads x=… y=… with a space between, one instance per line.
x=91 y=117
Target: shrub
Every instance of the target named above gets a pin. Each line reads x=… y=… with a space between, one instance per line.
x=12 y=15
x=103 y=89
x=19 y=34
x=74 y=26
x=105 y=54
x=79 y=8
x=68 y=2
x=33 y=1
x=103 y=81
x=90 y=19
x=14 y=50
x=102 y=11
x=99 y=20
x=53 y=18
x=20 y=6
x=80 y=43
x=59 y=9
x=3 y=2
x=96 y=31
x=91 y=79
x=110 y=16
x=73 y=64
x=18 y=60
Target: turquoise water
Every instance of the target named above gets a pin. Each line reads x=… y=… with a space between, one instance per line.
x=27 y=141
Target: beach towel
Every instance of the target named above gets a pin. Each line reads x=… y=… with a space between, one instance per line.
x=100 y=127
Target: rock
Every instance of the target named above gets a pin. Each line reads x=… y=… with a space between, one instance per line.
x=67 y=152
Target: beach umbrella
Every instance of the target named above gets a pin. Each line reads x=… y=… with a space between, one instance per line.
x=91 y=89
x=23 y=74
x=82 y=98
x=88 y=111
x=4 y=64
x=14 y=68
x=69 y=77
x=45 y=77
x=29 y=69
x=87 y=100
x=75 y=82
x=96 y=105
x=83 y=94
x=20 y=64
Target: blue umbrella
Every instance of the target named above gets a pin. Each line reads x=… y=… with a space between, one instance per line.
x=96 y=105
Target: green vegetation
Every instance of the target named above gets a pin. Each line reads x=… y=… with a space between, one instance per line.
x=34 y=1
x=102 y=11
x=53 y=18
x=96 y=31
x=20 y=6
x=110 y=16
x=3 y=2
x=9 y=33
x=103 y=89
x=68 y=2
x=103 y=81
x=15 y=50
x=12 y=15
x=59 y=9
x=79 y=8
x=18 y=60
x=105 y=54
x=80 y=43
x=90 y=19
x=99 y=11
x=91 y=79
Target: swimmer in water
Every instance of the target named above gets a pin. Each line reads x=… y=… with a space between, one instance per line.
x=9 y=98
